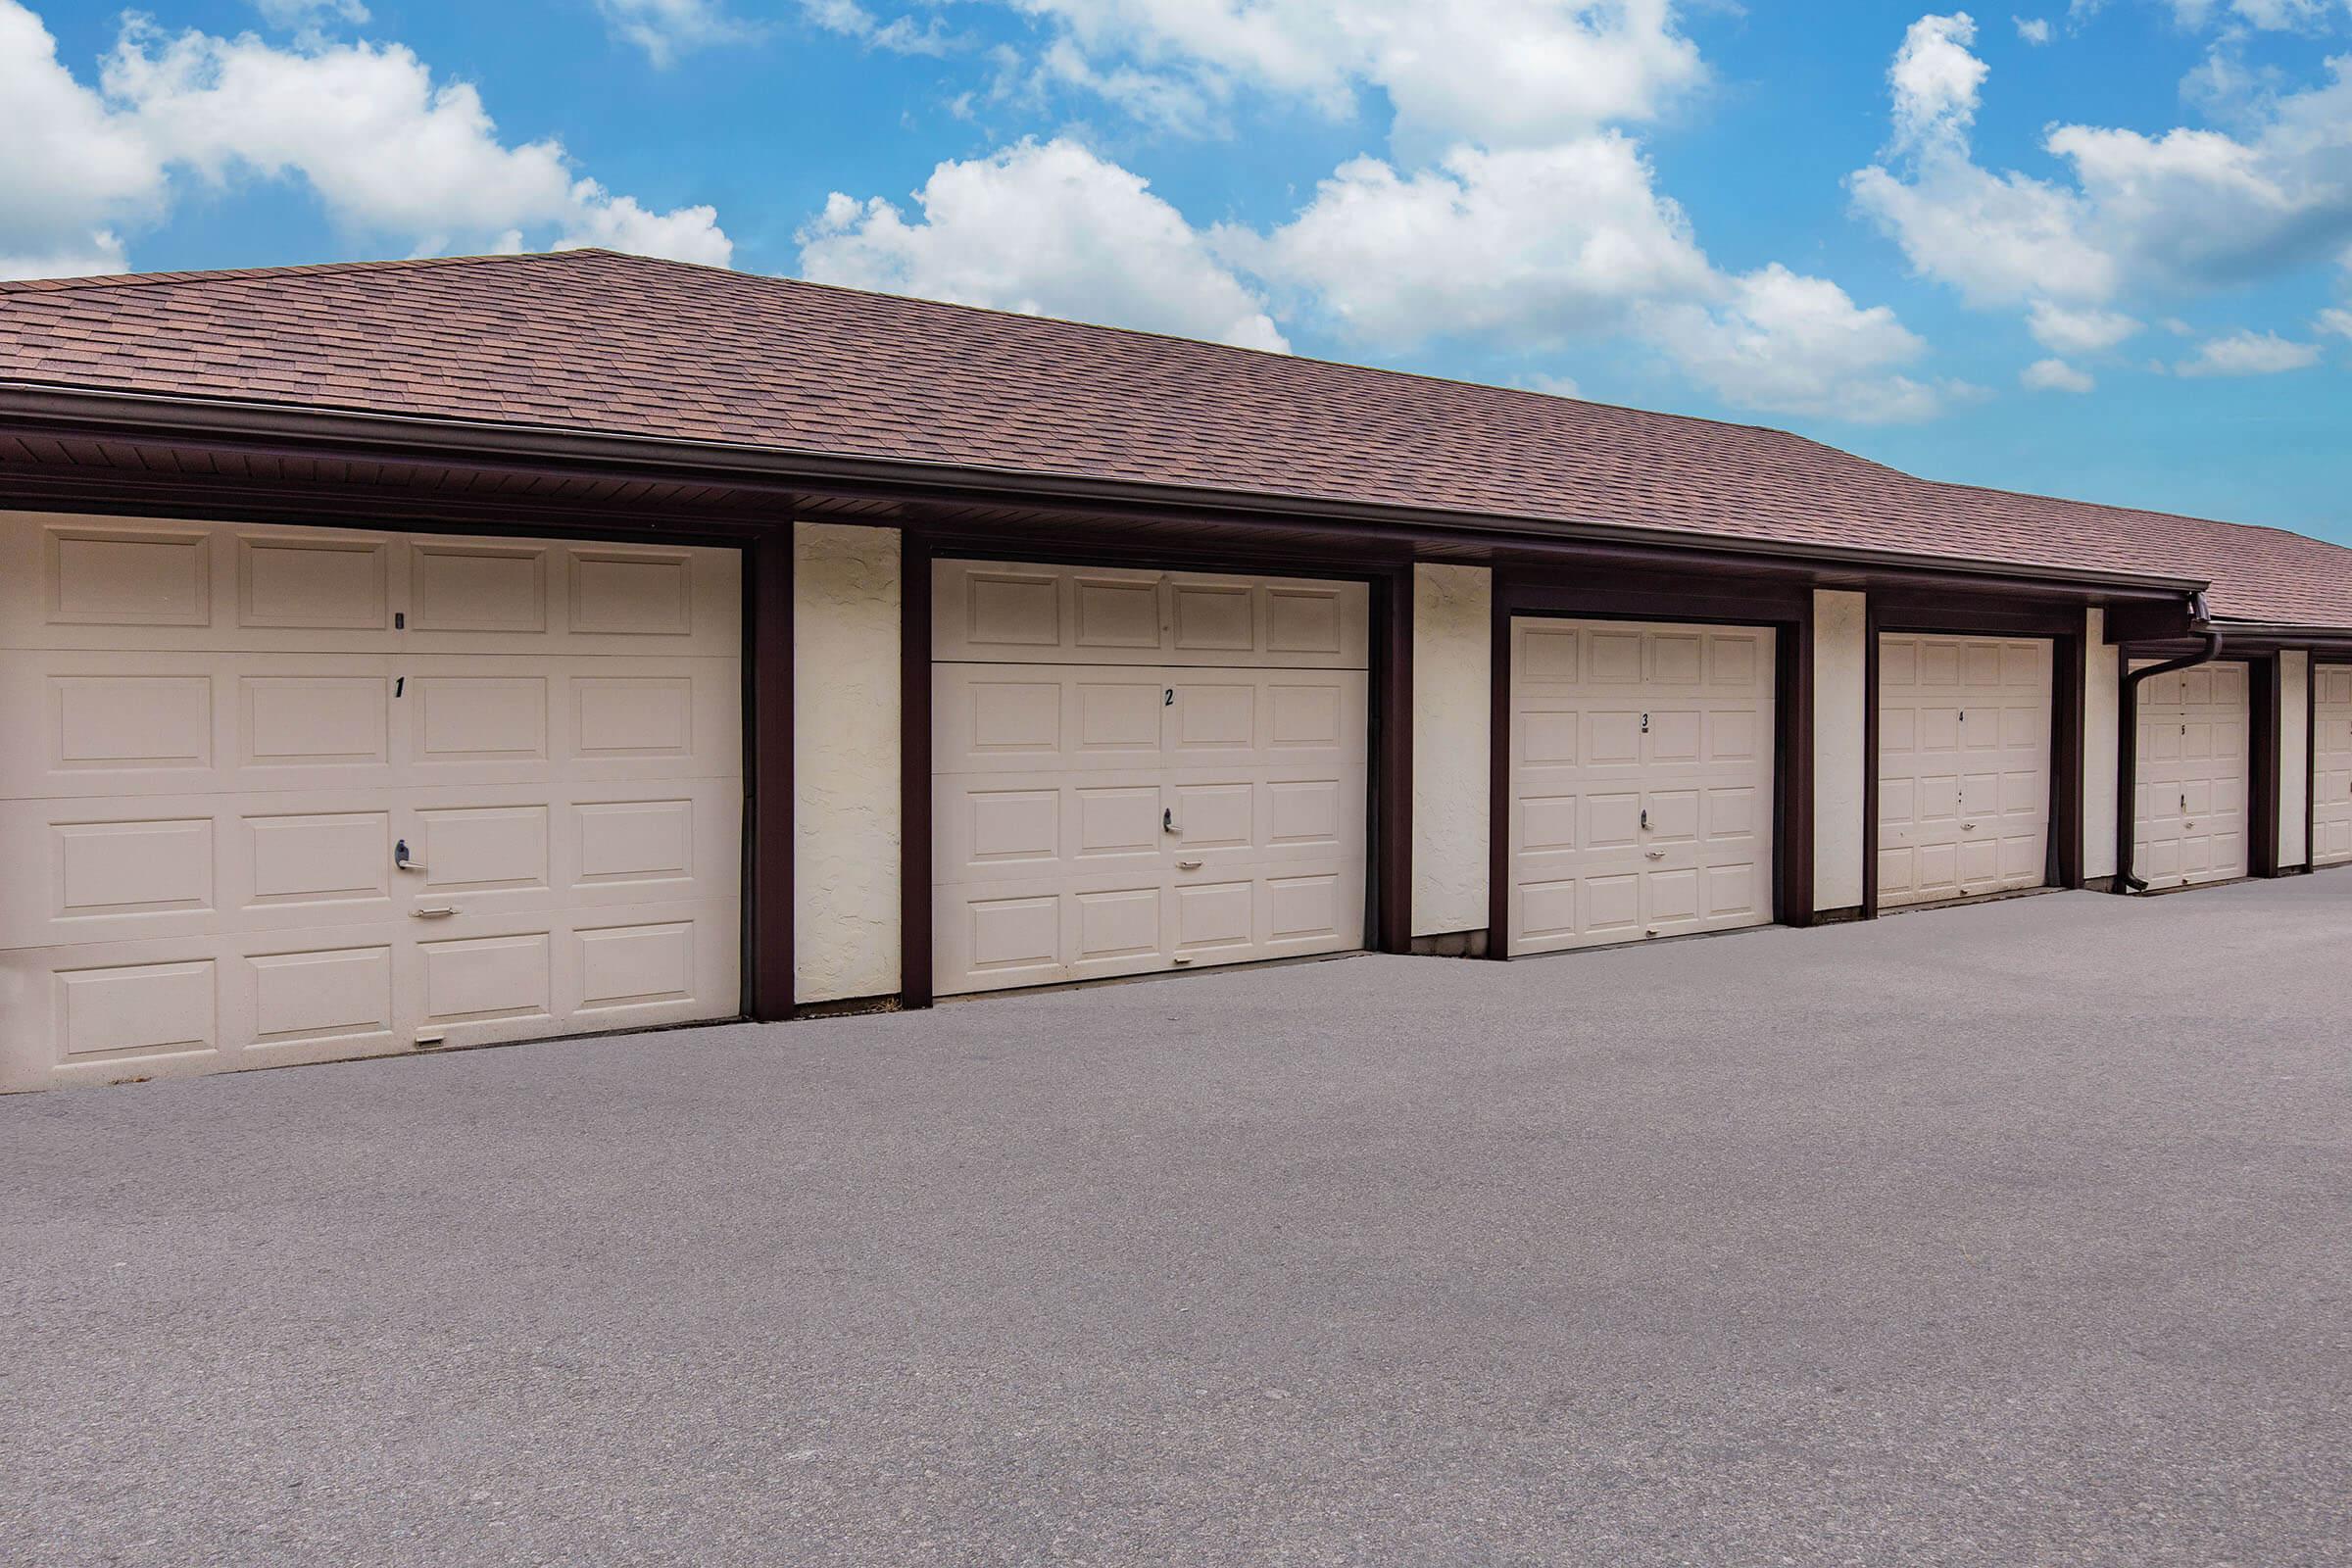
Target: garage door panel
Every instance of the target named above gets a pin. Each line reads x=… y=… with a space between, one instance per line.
x=1963 y=766
x=1019 y=613
x=2331 y=763
x=1640 y=794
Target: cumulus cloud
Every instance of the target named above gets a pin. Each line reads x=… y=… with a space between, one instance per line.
x=75 y=173
x=2248 y=353
x=2054 y=375
x=1048 y=228
x=2034 y=30
x=2187 y=210
x=1798 y=345
x=1498 y=72
x=1537 y=243
x=389 y=151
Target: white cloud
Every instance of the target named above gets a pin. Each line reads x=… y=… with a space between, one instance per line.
x=2187 y=210
x=667 y=29
x=1499 y=72
x=1048 y=228
x=2034 y=30
x=1798 y=345
x=2054 y=375
x=73 y=171
x=2334 y=321
x=2077 y=331
x=1534 y=244
x=391 y=153
x=2248 y=353
x=1935 y=81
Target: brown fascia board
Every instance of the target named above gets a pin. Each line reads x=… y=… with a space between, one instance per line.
x=344 y=432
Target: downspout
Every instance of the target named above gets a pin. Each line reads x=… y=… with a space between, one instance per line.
x=2127 y=742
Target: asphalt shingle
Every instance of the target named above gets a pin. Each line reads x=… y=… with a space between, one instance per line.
x=595 y=341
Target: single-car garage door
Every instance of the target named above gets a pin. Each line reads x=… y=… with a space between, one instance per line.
x=1138 y=770
x=2189 y=806
x=1964 y=767
x=2332 y=764
x=1642 y=781
x=277 y=794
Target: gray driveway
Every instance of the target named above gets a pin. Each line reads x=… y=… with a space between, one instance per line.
x=2015 y=1234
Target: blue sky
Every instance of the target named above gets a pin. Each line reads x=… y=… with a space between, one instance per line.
x=2098 y=249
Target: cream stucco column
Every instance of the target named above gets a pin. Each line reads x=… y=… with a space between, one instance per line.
x=845 y=749
x=1452 y=671
x=1840 y=653
x=2294 y=759
x=2102 y=696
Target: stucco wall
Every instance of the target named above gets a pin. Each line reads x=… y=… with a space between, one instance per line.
x=1840 y=633
x=2102 y=676
x=1453 y=665
x=2294 y=758
x=844 y=682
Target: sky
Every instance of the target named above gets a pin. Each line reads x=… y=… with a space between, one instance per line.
x=2092 y=247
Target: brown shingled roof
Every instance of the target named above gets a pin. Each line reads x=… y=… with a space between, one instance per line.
x=595 y=341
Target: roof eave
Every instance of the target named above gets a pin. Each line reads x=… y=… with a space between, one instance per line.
x=192 y=416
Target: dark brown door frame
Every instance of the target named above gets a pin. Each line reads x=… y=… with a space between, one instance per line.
x=1896 y=615
x=2262 y=752
x=1389 y=766
x=1784 y=608
x=2311 y=752
x=2266 y=722
x=768 y=792
x=765 y=933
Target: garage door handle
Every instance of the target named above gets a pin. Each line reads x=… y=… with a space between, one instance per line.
x=1968 y=827
x=1167 y=820
x=1187 y=866
x=441 y=912
x=1658 y=855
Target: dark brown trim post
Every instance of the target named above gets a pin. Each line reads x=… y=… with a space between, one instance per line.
x=767 y=969
x=1792 y=829
x=914 y=771
x=2265 y=716
x=2311 y=761
x=1499 y=769
x=1393 y=762
x=2070 y=673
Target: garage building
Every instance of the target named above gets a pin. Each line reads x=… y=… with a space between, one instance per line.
x=425 y=653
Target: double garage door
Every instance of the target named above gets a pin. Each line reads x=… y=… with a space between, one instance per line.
x=1136 y=771
x=277 y=794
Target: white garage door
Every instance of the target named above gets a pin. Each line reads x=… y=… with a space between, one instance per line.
x=1964 y=767
x=2332 y=764
x=2190 y=801
x=1137 y=770
x=228 y=736
x=1641 y=774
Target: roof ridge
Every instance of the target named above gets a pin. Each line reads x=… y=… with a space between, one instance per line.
x=48 y=286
